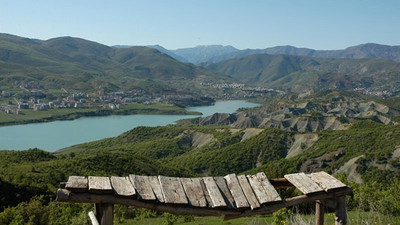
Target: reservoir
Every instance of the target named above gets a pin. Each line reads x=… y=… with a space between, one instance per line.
x=55 y=135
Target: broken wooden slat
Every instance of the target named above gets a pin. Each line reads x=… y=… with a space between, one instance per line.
x=100 y=184
x=217 y=200
x=326 y=181
x=123 y=186
x=93 y=218
x=77 y=183
x=221 y=183
x=143 y=187
x=236 y=191
x=248 y=192
x=302 y=182
x=172 y=190
x=271 y=195
x=155 y=185
x=280 y=183
x=194 y=191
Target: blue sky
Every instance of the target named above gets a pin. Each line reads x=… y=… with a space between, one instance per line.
x=322 y=24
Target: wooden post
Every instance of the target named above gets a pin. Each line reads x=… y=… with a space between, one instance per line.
x=98 y=212
x=319 y=212
x=104 y=213
x=341 y=212
x=107 y=214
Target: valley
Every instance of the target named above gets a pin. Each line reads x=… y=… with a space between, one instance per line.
x=336 y=111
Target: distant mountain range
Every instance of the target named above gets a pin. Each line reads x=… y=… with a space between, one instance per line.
x=196 y=55
x=300 y=73
x=369 y=50
x=203 y=53
x=207 y=54
x=79 y=64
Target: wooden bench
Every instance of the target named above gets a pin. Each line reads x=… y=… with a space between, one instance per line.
x=231 y=196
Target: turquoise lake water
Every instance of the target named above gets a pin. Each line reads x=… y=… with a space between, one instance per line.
x=55 y=135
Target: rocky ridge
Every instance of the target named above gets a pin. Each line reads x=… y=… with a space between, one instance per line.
x=303 y=117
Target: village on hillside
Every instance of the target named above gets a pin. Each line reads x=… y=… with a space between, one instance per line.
x=35 y=99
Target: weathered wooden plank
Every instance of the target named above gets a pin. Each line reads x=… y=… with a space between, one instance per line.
x=221 y=183
x=217 y=200
x=100 y=185
x=302 y=182
x=326 y=181
x=258 y=189
x=77 y=183
x=194 y=191
x=155 y=185
x=236 y=191
x=172 y=190
x=272 y=194
x=64 y=195
x=206 y=194
x=248 y=192
x=143 y=187
x=288 y=202
x=123 y=186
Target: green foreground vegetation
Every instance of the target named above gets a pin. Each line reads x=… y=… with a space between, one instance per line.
x=30 y=116
x=281 y=217
x=29 y=179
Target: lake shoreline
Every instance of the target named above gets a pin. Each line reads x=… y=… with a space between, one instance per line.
x=173 y=110
x=57 y=135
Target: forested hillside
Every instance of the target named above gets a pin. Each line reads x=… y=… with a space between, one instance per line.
x=367 y=153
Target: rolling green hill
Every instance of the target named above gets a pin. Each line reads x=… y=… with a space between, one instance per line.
x=219 y=150
x=367 y=154
x=299 y=73
x=79 y=64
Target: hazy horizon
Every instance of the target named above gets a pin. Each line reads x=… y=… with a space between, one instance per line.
x=174 y=24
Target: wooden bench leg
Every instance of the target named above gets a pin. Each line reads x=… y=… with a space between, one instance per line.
x=319 y=212
x=104 y=213
x=341 y=212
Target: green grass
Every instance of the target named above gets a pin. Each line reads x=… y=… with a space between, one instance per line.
x=354 y=218
x=201 y=220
